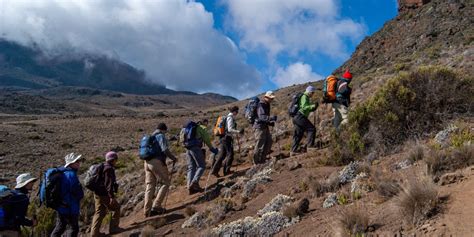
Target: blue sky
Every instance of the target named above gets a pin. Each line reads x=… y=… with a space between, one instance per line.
x=232 y=47
x=372 y=14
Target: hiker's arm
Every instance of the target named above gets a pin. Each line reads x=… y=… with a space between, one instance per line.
x=306 y=106
x=204 y=136
x=230 y=125
x=165 y=148
x=262 y=117
x=21 y=210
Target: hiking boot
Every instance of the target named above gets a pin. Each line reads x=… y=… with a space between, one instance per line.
x=157 y=211
x=294 y=153
x=116 y=231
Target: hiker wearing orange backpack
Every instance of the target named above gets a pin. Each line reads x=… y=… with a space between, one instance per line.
x=338 y=92
x=303 y=107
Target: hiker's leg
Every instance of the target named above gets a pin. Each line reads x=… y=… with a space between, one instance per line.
x=73 y=221
x=60 y=226
x=344 y=111
x=259 y=146
x=229 y=147
x=150 y=181
x=200 y=162
x=311 y=130
x=100 y=211
x=164 y=176
x=114 y=210
x=268 y=144
x=337 y=115
x=220 y=156
x=298 y=133
x=191 y=167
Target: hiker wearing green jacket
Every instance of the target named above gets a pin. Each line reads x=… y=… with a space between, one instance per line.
x=301 y=121
x=193 y=141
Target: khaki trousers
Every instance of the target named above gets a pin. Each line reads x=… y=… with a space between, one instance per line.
x=102 y=205
x=155 y=170
x=340 y=114
x=263 y=146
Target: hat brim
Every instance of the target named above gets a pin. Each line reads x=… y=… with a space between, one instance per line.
x=23 y=184
x=74 y=161
x=270 y=96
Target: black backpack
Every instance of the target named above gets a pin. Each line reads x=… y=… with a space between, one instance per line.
x=50 y=189
x=295 y=104
x=94 y=177
x=251 y=110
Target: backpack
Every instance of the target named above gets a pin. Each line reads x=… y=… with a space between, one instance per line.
x=189 y=135
x=149 y=148
x=330 y=89
x=93 y=177
x=251 y=110
x=5 y=210
x=295 y=104
x=220 y=127
x=50 y=188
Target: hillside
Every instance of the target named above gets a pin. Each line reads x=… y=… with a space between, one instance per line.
x=420 y=184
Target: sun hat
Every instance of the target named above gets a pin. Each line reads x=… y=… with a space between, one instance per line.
x=310 y=89
x=23 y=179
x=270 y=95
x=71 y=158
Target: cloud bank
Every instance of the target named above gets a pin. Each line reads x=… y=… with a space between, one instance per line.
x=296 y=73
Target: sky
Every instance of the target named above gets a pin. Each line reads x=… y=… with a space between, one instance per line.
x=233 y=47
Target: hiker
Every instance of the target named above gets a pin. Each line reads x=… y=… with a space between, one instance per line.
x=104 y=197
x=193 y=136
x=226 y=144
x=156 y=169
x=301 y=122
x=262 y=130
x=204 y=123
x=67 y=214
x=343 y=100
x=15 y=206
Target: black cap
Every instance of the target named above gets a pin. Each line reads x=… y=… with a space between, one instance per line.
x=162 y=127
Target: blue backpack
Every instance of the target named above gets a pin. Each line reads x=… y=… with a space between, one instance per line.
x=251 y=110
x=5 y=209
x=189 y=135
x=149 y=148
x=50 y=188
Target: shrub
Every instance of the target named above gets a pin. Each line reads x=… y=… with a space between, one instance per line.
x=418 y=201
x=45 y=218
x=408 y=106
x=316 y=187
x=352 y=221
x=416 y=153
x=386 y=187
x=442 y=161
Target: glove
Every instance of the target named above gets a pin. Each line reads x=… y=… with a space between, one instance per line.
x=273 y=118
x=214 y=150
x=241 y=131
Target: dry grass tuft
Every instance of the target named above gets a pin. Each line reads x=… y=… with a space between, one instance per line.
x=353 y=221
x=386 y=187
x=416 y=153
x=418 y=201
x=189 y=211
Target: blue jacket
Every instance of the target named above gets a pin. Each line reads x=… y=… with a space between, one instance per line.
x=72 y=193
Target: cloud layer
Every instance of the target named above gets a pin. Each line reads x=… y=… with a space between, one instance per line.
x=296 y=73
x=174 y=41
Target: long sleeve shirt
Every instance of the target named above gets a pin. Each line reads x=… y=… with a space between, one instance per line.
x=109 y=187
x=231 y=125
x=263 y=116
x=305 y=105
x=203 y=135
x=164 y=145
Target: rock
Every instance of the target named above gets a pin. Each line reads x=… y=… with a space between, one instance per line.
x=294 y=165
x=450 y=178
x=197 y=220
x=442 y=137
x=348 y=173
x=330 y=201
x=360 y=184
x=276 y=204
x=403 y=164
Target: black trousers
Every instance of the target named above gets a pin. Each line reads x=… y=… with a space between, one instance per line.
x=62 y=221
x=302 y=125
x=225 y=157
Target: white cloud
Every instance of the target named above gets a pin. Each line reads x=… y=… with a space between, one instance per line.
x=293 y=27
x=296 y=73
x=174 y=41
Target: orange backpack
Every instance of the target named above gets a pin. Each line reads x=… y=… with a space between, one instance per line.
x=219 y=128
x=329 y=89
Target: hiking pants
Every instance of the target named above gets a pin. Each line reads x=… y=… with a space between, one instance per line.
x=102 y=205
x=62 y=221
x=155 y=170
x=340 y=114
x=263 y=146
x=225 y=155
x=196 y=164
x=302 y=125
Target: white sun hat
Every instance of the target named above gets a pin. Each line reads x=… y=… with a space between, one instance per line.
x=24 y=179
x=270 y=95
x=71 y=158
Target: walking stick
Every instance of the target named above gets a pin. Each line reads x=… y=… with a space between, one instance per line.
x=167 y=193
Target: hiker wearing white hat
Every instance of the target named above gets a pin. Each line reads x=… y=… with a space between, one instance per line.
x=71 y=194
x=16 y=202
x=262 y=131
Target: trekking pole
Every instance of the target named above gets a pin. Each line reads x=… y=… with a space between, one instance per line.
x=167 y=193
x=210 y=171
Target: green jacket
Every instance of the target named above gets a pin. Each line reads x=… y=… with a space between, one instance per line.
x=305 y=105
x=203 y=135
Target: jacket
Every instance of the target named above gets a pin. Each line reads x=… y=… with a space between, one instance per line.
x=164 y=145
x=305 y=105
x=71 y=193
x=109 y=186
x=19 y=207
x=263 y=116
x=343 y=95
x=231 y=125
x=203 y=135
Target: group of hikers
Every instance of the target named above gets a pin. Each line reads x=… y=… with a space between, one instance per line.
x=61 y=190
